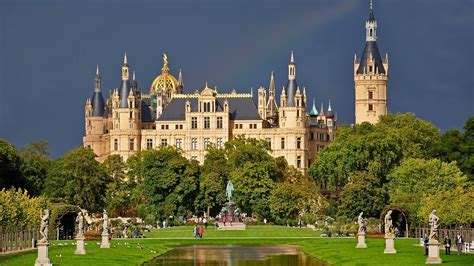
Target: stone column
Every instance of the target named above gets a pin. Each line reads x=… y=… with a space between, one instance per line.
x=80 y=248
x=433 y=252
x=105 y=240
x=389 y=245
x=361 y=240
x=43 y=259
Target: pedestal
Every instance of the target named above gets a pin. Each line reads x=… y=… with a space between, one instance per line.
x=80 y=248
x=105 y=240
x=433 y=252
x=43 y=259
x=389 y=245
x=361 y=241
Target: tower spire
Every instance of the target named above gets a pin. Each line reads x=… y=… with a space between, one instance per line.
x=97 y=80
x=292 y=58
x=180 y=79
x=329 y=108
x=314 y=111
x=371 y=14
x=125 y=60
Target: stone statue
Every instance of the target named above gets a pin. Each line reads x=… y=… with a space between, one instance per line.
x=361 y=222
x=105 y=224
x=80 y=224
x=44 y=226
x=434 y=223
x=229 y=190
x=388 y=224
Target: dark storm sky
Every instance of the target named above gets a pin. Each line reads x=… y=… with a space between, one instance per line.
x=49 y=50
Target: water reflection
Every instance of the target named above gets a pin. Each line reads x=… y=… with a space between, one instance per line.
x=231 y=255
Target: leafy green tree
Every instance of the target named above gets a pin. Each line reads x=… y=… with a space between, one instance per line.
x=19 y=210
x=10 y=166
x=454 y=207
x=363 y=194
x=119 y=200
x=375 y=149
x=213 y=181
x=415 y=179
x=35 y=165
x=296 y=197
x=169 y=182
x=458 y=147
x=78 y=179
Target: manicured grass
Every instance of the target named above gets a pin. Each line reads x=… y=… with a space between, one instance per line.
x=337 y=251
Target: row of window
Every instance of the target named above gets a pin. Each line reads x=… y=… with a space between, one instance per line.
x=194 y=143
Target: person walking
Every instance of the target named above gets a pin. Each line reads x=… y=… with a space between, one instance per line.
x=447 y=245
x=196 y=231
x=459 y=241
x=201 y=231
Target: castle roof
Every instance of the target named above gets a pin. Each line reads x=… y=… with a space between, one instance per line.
x=240 y=108
x=123 y=92
x=98 y=104
x=371 y=48
x=290 y=90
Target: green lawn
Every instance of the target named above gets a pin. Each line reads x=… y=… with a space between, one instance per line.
x=337 y=251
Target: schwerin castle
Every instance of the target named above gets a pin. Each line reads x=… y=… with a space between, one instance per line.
x=131 y=120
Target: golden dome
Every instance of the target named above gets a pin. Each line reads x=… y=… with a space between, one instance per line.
x=164 y=83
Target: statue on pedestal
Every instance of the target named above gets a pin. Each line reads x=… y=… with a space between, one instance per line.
x=361 y=222
x=388 y=224
x=229 y=190
x=44 y=226
x=105 y=224
x=80 y=225
x=434 y=224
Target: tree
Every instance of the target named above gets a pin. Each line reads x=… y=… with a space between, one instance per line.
x=10 y=166
x=169 y=182
x=416 y=179
x=213 y=180
x=19 y=210
x=118 y=197
x=458 y=147
x=296 y=197
x=78 y=179
x=363 y=194
x=35 y=165
x=375 y=149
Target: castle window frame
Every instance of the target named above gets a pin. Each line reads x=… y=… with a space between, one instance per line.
x=220 y=143
x=207 y=122
x=131 y=144
x=179 y=142
x=371 y=95
x=282 y=143
x=370 y=69
x=149 y=143
x=115 y=144
x=194 y=144
x=311 y=136
x=207 y=142
x=269 y=141
x=164 y=142
x=371 y=107
x=219 y=122
x=194 y=122
x=298 y=142
x=298 y=161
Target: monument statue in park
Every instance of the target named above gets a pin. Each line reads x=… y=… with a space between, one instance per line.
x=433 y=244
x=105 y=231
x=44 y=226
x=434 y=224
x=361 y=232
x=388 y=224
x=80 y=247
x=361 y=222
x=43 y=259
x=80 y=224
x=389 y=235
x=229 y=190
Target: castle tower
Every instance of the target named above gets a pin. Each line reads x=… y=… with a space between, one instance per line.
x=262 y=102
x=370 y=77
x=94 y=118
x=272 y=107
x=292 y=112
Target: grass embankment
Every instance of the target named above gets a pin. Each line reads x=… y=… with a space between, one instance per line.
x=337 y=251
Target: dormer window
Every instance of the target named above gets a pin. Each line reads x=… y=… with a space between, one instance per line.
x=370 y=69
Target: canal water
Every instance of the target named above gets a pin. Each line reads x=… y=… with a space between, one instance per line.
x=232 y=255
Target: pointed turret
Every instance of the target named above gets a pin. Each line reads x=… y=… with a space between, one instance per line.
x=179 y=88
x=321 y=111
x=272 y=107
x=314 y=111
x=125 y=87
x=134 y=83
x=330 y=113
x=371 y=50
x=291 y=85
x=98 y=103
